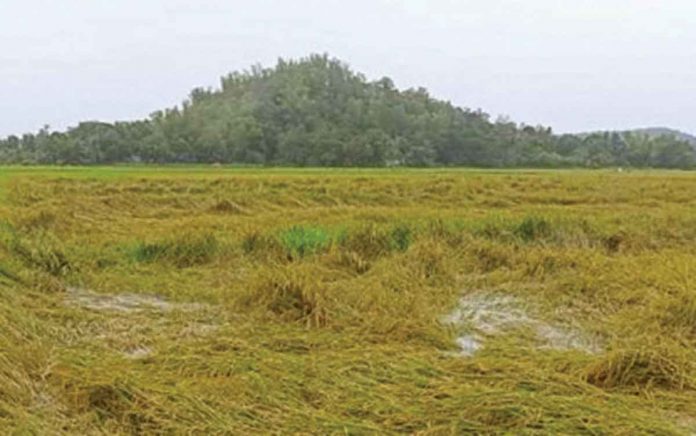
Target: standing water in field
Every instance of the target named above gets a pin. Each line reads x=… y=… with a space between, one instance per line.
x=127 y=302
x=483 y=315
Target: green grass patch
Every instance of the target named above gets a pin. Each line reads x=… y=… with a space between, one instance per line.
x=533 y=228
x=184 y=251
x=301 y=241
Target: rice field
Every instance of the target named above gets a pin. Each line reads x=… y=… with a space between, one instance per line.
x=200 y=300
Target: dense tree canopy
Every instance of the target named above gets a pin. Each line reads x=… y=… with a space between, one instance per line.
x=318 y=112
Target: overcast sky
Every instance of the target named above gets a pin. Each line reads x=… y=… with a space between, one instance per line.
x=574 y=64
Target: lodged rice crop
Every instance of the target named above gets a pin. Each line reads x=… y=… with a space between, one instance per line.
x=245 y=301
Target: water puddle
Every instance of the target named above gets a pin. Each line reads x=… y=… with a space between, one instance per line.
x=127 y=302
x=482 y=315
x=138 y=353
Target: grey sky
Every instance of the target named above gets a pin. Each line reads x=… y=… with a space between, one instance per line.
x=573 y=64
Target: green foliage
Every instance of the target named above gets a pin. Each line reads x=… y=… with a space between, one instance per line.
x=185 y=251
x=533 y=228
x=300 y=241
x=318 y=112
x=401 y=236
x=371 y=241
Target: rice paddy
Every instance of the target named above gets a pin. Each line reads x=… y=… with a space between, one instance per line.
x=255 y=301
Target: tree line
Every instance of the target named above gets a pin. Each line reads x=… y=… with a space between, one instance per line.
x=316 y=111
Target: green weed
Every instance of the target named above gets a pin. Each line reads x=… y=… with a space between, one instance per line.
x=533 y=228
x=301 y=241
x=185 y=251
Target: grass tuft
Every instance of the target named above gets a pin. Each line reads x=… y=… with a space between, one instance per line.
x=533 y=228
x=184 y=251
x=301 y=241
x=401 y=237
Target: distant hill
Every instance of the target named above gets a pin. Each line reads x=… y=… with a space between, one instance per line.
x=666 y=131
x=651 y=132
x=317 y=111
